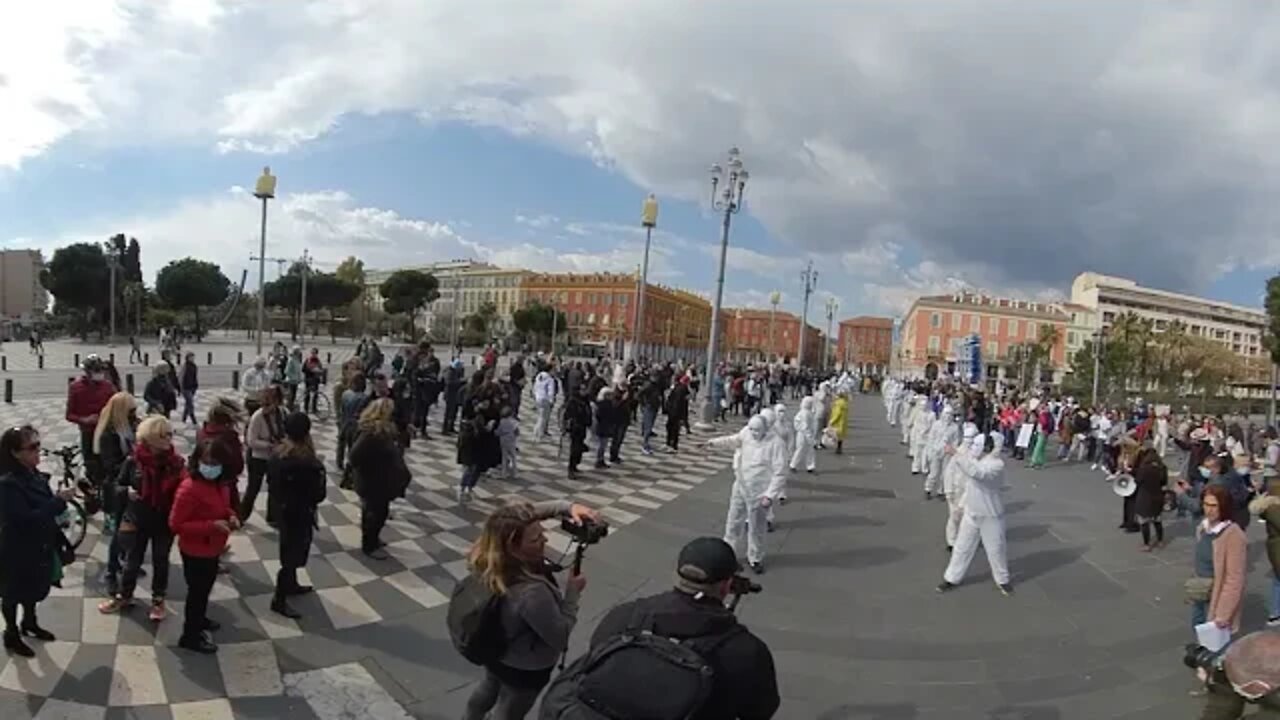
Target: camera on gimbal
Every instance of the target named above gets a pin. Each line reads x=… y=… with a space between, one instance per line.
x=1198 y=657
x=586 y=532
x=742 y=585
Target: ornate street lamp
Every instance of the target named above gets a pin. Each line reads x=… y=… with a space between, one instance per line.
x=728 y=185
x=264 y=190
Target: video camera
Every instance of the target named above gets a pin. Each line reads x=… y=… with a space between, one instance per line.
x=740 y=585
x=1198 y=657
x=587 y=532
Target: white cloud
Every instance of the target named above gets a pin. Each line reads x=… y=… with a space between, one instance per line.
x=1136 y=134
x=538 y=221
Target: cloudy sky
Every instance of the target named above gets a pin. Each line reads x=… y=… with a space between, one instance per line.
x=903 y=147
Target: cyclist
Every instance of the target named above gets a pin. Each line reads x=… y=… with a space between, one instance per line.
x=86 y=397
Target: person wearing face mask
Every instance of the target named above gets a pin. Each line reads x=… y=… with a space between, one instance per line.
x=944 y=431
x=806 y=432
x=202 y=519
x=760 y=468
x=785 y=430
x=983 y=518
x=86 y=396
x=954 y=481
x=922 y=422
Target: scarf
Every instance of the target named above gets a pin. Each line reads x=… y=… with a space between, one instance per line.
x=159 y=474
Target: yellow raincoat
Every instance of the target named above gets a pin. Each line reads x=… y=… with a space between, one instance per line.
x=839 y=416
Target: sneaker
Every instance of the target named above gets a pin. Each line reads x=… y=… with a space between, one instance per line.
x=280 y=607
x=646 y=451
x=1093 y=466
x=757 y=567
x=944 y=586
x=158 y=610
x=114 y=605
x=199 y=643
x=927 y=494
x=782 y=500
x=769 y=525
x=212 y=625
x=1273 y=622
x=1006 y=589
x=377 y=554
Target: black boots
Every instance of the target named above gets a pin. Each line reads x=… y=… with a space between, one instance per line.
x=31 y=629
x=281 y=607
x=13 y=643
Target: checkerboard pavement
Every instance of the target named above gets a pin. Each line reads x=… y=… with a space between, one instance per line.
x=109 y=661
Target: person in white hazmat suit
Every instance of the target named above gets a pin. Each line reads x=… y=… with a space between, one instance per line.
x=760 y=471
x=983 y=516
x=909 y=412
x=954 y=480
x=892 y=401
x=821 y=411
x=786 y=432
x=944 y=431
x=921 y=423
x=806 y=431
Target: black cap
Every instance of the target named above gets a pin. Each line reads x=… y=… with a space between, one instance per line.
x=296 y=426
x=706 y=561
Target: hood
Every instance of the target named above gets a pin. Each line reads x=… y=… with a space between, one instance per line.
x=768 y=416
x=757 y=427
x=998 y=439
x=970 y=431
x=807 y=403
x=1263 y=503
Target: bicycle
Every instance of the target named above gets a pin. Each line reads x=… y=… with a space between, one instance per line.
x=323 y=405
x=74 y=521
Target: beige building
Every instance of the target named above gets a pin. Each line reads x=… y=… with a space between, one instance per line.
x=1238 y=328
x=465 y=285
x=22 y=297
x=1081 y=326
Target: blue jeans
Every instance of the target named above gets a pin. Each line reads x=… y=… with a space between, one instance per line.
x=648 y=417
x=1273 y=610
x=470 y=476
x=1199 y=613
x=602 y=446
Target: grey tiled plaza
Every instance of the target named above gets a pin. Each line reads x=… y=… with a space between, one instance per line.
x=1094 y=629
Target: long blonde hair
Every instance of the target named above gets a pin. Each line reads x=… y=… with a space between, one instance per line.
x=378 y=417
x=491 y=557
x=113 y=416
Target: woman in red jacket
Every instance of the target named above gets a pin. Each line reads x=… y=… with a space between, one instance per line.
x=202 y=518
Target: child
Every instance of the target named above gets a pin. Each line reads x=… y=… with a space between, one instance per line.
x=508 y=436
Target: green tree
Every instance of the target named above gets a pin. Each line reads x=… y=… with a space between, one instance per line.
x=190 y=284
x=77 y=277
x=536 y=320
x=352 y=271
x=480 y=322
x=406 y=292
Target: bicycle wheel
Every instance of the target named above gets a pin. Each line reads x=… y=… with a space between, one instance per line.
x=323 y=409
x=73 y=523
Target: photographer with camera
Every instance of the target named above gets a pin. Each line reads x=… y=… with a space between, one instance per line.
x=681 y=654
x=1246 y=673
x=509 y=615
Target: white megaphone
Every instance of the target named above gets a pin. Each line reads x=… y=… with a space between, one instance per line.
x=1123 y=484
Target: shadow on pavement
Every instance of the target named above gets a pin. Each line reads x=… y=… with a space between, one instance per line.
x=1042 y=562
x=1023 y=533
x=852 y=491
x=841 y=559
x=824 y=522
x=871 y=712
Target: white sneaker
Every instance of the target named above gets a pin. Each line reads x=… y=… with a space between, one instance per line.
x=1093 y=466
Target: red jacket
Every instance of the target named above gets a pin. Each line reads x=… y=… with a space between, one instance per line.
x=198 y=505
x=86 y=397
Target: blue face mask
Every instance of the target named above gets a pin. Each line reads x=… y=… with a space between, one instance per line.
x=210 y=472
x=1205 y=472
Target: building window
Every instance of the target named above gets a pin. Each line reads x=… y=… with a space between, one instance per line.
x=1071 y=339
x=1032 y=330
x=622 y=300
x=935 y=320
x=993 y=349
x=591 y=318
x=608 y=299
x=606 y=319
x=995 y=325
x=975 y=323
x=935 y=343
x=1013 y=328
x=577 y=297
x=956 y=319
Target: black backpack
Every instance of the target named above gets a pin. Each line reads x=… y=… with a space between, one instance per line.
x=603 y=685
x=474 y=620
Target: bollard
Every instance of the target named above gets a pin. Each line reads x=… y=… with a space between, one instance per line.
x=239 y=358
x=235 y=379
x=77 y=360
x=40 y=361
x=70 y=380
x=128 y=383
x=8 y=390
x=328 y=358
x=210 y=359
x=146 y=359
x=112 y=358
x=4 y=363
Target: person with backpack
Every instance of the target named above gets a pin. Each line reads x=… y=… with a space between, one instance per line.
x=297 y=476
x=513 y=606
x=684 y=642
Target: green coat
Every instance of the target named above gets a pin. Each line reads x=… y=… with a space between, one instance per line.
x=1267 y=508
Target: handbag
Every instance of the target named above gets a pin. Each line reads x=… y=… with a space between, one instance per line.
x=1197 y=589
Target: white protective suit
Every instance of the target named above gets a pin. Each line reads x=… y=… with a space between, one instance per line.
x=909 y=412
x=760 y=470
x=821 y=409
x=892 y=401
x=954 y=481
x=786 y=432
x=983 y=515
x=945 y=431
x=806 y=429
x=921 y=423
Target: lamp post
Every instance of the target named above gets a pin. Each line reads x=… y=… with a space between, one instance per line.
x=775 y=297
x=1097 y=364
x=264 y=190
x=649 y=220
x=727 y=187
x=833 y=306
x=810 y=279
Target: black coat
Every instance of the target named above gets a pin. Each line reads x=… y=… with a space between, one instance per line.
x=1151 y=477
x=298 y=485
x=377 y=462
x=28 y=536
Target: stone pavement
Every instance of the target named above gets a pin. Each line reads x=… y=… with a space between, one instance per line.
x=1094 y=630
x=370 y=633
